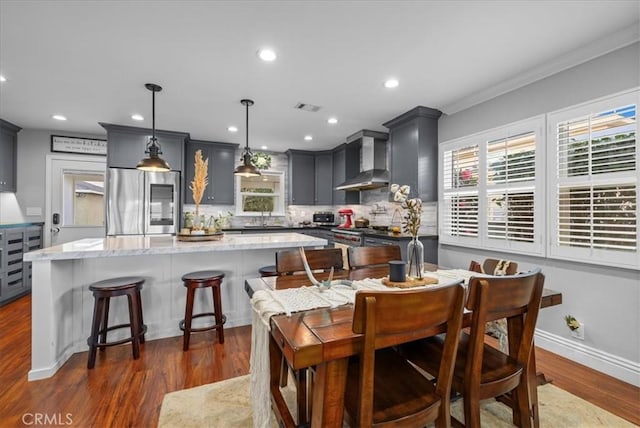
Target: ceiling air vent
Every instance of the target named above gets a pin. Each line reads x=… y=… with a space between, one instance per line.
x=307 y=107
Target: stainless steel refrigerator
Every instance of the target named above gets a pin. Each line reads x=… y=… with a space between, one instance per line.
x=142 y=203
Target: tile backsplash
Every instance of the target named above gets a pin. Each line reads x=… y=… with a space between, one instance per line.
x=375 y=206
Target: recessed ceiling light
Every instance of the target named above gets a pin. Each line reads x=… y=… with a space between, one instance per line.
x=267 y=54
x=264 y=147
x=137 y=117
x=391 y=83
x=2 y=78
x=332 y=120
x=308 y=137
x=58 y=117
x=232 y=129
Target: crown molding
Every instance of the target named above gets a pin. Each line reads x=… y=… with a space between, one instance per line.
x=614 y=41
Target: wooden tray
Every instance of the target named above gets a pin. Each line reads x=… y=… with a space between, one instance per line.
x=197 y=238
x=410 y=282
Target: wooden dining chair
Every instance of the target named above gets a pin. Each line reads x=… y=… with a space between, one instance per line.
x=382 y=387
x=290 y=263
x=361 y=257
x=482 y=371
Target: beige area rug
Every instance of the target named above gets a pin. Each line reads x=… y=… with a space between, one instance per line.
x=226 y=404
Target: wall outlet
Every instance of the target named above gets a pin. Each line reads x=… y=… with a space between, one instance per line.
x=578 y=333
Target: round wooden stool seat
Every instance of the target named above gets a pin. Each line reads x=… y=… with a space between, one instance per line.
x=103 y=291
x=202 y=279
x=268 y=270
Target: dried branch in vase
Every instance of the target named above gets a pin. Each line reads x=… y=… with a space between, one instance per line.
x=199 y=182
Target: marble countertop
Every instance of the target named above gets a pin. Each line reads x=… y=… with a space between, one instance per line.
x=118 y=246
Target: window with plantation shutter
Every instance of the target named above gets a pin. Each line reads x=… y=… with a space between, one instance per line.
x=459 y=212
x=594 y=182
x=491 y=189
x=511 y=174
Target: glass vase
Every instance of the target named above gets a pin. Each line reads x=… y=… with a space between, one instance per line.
x=415 y=258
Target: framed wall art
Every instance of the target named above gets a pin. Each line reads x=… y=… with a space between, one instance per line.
x=85 y=146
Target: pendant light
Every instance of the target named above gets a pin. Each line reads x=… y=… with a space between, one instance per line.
x=247 y=169
x=154 y=162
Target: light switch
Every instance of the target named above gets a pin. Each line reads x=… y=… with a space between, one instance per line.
x=34 y=211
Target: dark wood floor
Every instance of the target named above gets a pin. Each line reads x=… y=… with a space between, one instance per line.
x=122 y=392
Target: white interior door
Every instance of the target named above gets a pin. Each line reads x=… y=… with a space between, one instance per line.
x=75 y=205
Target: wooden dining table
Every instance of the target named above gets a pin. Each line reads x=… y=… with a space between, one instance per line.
x=323 y=339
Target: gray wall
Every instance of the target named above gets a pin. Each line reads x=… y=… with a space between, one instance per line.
x=606 y=300
x=33 y=147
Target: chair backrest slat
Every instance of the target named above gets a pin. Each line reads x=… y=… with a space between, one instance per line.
x=360 y=257
x=290 y=261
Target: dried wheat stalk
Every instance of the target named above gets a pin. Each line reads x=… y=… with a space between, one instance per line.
x=200 y=180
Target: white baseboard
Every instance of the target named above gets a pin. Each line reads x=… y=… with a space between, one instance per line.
x=612 y=365
x=45 y=372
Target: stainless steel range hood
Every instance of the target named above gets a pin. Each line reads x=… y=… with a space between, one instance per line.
x=373 y=163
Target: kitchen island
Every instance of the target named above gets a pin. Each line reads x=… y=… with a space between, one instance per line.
x=62 y=305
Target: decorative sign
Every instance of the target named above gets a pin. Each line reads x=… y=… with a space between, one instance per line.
x=86 y=146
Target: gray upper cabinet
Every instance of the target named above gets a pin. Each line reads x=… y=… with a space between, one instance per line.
x=301 y=177
x=8 y=155
x=346 y=164
x=126 y=146
x=221 y=157
x=413 y=151
x=323 y=178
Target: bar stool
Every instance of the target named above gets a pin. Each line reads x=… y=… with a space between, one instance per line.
x=202 y=279
x=268 y=271
x=103 y=291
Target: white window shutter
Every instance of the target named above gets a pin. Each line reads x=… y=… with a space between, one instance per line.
x=593 y=182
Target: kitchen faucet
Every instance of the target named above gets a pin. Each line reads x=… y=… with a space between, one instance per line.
x=262 y=220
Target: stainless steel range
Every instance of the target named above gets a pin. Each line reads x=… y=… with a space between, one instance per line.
x=348 y=237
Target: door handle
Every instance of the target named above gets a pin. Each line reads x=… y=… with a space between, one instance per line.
x=55 y=229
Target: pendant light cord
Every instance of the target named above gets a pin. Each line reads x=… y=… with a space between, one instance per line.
x=247 y=150
x=153 y=115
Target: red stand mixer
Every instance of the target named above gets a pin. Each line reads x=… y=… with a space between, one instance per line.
x=347 y=213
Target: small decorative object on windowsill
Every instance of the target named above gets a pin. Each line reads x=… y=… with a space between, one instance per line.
x=572 y=323
x=198 y=185
x=411 y=225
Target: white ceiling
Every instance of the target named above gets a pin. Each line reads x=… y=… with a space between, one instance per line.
x=90 y=60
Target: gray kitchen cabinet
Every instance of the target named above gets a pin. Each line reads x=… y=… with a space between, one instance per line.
x=346 y=164
x=8 y=155
x=413 y=151
x=430 y=244
x=323 y=178
x=301 y=177
x=126 y=146
x=220 y=190
x=15 y=275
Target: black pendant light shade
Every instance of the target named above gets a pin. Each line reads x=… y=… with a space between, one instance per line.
x=154 y=162
x=247 y=169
